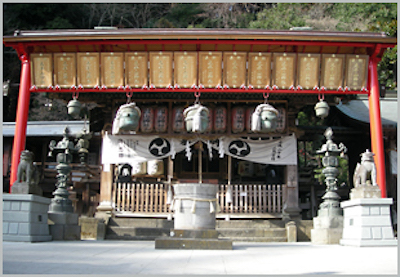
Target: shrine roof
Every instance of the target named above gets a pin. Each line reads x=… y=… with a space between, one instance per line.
x=196 y=34
x=46 y=128
x=358 y=109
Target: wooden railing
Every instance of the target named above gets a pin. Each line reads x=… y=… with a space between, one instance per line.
x=140 y=197
x=251 y=198
x=151 y=198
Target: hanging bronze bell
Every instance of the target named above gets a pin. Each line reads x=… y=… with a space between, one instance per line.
x=264 y=119
x=74 y=107
x=321 y=109
x=196 y=118
x=127 y=118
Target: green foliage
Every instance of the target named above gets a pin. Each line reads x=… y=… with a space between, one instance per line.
x=42 y=16
x=282 y=16
x=183 y=15
x=307 y=117
x=343 y=168
x=387 y=69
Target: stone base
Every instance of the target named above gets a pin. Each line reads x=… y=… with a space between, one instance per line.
x=367 y=222
x=326 y=235
x=327 y=229
x=64 y=226
x=193 y=239
x=25 y=218
x=25 y=188
x=92 y=228
x=365 y=191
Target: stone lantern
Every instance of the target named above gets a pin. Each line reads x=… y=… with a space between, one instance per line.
x=328 y=225
x=65 y=148
x=83 y=144
x=64 y=222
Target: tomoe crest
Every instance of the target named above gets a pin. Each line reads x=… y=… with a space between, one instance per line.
x=159 y=147
x=239 y=148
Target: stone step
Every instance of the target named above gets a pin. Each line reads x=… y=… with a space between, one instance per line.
x=200 y=234
x=235 y=232
x=256 y=239
x=133 y=238
x=141 y=222
x=189 y=243
x=263 y=223
x=113 y=232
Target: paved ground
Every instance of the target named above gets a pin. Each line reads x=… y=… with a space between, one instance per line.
x=140 y=257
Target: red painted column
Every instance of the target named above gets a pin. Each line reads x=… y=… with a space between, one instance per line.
x=21 y=118
x=376 y=125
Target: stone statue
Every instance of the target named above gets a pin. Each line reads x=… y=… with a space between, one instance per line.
x=366 y=170
x=364 y=179
x=27 y=176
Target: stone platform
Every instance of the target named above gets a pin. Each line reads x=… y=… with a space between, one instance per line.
x=367 y=222
x=25 y=218
x=64 y=226
x=193 y=239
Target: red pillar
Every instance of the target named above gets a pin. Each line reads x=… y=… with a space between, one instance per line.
x=21 y=118
x=376 y=125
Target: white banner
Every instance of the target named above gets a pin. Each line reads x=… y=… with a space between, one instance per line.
x=281 y=151
x=119 y=149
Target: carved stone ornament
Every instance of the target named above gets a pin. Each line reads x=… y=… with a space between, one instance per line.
x=27 y=176
x=365 y=173
x=364 y=178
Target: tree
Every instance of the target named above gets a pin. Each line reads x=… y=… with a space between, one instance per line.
x=281 y=16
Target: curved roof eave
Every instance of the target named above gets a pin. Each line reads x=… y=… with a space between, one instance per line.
x=196 y=34
x=359 y=110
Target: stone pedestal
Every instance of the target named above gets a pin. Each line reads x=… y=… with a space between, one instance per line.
x=25 y=218
x=327 y=229
x=92 y=228
x=64 y=226
x=25 y=188
x=367 y=222
x=365 y=191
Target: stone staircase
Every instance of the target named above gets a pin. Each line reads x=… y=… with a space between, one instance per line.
x=257 y=230
x=123 y=228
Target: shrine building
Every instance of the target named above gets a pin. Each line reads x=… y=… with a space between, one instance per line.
x=231 y=73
